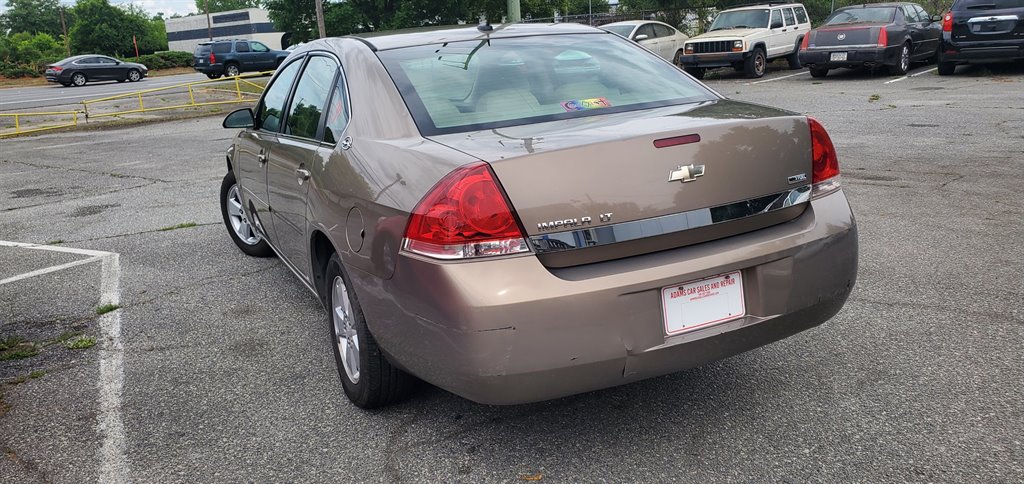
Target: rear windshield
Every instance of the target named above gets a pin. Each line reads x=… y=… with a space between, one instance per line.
x=486 y=84
x=202 y=50
x=740 y=19
x=989 y=4
x=622 y=30
x=860 y=15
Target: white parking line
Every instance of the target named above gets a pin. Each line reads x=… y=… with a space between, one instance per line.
x=778 y=78
x=898 y=79
x=110 y=425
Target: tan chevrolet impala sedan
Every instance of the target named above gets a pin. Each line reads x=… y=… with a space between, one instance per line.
x=524 y=212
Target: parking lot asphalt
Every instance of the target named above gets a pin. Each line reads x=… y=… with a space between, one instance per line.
x=228 y=375
x=16 y=99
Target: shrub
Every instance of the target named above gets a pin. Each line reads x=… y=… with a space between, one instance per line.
x=24 y=54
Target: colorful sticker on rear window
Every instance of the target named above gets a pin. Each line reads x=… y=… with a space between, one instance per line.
x=583 y=104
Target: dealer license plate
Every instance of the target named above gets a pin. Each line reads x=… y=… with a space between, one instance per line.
x=697 y=304
x=837 y=57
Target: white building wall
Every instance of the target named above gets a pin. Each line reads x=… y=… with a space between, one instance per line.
x=185 y=33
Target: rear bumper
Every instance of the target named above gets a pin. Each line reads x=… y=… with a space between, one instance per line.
x=859 y=57
x=511 y=331
x=969 y=52
x=723 y=59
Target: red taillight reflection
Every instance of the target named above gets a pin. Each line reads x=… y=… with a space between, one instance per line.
x=465 y=215
x=947 y=22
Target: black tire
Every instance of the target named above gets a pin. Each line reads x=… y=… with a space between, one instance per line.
x=946 y=68
x=134 y=75
x=755 y=65
x=231 y=70
x=255 y=248
x=213 y=76
x=377 y=382
x=696 y=72
x=794 y=58
x=66 y=84
x=902 y=62
x=678 y=58
x=78 y=79
x=121 y=80
x=819 y=72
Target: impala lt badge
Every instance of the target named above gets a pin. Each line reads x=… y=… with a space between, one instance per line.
x=686 y=173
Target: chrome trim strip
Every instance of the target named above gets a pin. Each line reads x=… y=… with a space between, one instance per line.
x=841 y=48
x=993 y=18
x=668 y=224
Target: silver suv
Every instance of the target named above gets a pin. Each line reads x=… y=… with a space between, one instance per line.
x=748 y=38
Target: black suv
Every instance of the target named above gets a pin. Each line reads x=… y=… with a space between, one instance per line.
x=233 y=57
x=981 y=31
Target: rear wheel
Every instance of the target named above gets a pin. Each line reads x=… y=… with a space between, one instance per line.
x=696 y=72
x=756 y=64
x=66 y=84
x=237 y=221
x=947 y=68
x=213 y=76
x=794 y=58
x=902 y=63
x=367 y=377
x=819 y=72
x=78 y=79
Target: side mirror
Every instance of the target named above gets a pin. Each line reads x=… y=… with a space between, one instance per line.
x=240 y=118
x=936 y=18
x=640 y=37
x=777 y=24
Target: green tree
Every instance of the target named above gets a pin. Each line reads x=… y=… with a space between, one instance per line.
x=295 y=16
x=32 y=16
x=101 y=28
x=225 y=5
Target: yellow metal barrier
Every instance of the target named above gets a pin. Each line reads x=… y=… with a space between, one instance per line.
x=18 y=116
x=237 y=91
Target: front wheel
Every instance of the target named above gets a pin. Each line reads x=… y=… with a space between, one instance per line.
x=756 y=64
x=367 y=377
x=902 y=63
x=231 y=70
x=238 y=222
x=134 y=75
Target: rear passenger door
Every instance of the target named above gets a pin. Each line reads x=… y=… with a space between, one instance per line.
x=288 y=171
x=791 y=31
x=777 y=40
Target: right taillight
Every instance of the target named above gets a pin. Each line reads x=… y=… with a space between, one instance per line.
x=947 y=22
x=824 y=162
x=466 y=215
x=213 y=58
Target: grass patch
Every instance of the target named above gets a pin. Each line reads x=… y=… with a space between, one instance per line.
x=55 y=242
x=873 y=98
x=816 y=82
x=891 y=106
x=8 y=342
x=31 y=376
x=106 y=308
x=80 y=343
x=21 y=350
x=186 y=225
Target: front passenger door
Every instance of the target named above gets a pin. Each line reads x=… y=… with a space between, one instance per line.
x=650 y=39
x=288 y=171
x=262 y=56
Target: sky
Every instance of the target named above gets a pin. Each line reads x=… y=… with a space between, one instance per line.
x=168 y=7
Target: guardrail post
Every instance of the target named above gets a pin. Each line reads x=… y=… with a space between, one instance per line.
x=74 y=118
x=141 y=107
x=17 y=127
x=238 y=88
x=191 y=96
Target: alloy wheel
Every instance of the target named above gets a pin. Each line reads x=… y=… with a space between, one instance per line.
x=759 y=64
x=231 y=70
x=345 y=334
x=133 y=76
x=239 y=220
x=78 y=79
x=905 y=58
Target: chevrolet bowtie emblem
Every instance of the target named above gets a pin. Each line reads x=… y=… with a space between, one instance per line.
x=686 y=173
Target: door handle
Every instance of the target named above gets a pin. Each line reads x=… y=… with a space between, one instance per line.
x=302 y=174
x=261 y=159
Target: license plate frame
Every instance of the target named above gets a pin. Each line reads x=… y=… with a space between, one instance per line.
x=701 y=303
x=838 y=56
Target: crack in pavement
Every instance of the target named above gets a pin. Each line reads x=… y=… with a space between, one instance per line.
x=82 y=170
x=115 y=236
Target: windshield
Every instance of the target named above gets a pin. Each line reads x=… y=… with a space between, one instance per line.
x=473 y=85
x=740 y=19
x=621 y=30
x=859 y=15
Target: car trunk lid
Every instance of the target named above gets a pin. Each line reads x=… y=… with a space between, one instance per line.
x=600 y=188
x=988 y=20
x=846 y=36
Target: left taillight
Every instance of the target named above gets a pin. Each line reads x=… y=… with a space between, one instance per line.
x=56 y=68
x=465 y=215
x=805 y=42
x=824 y=161
x=883 y=37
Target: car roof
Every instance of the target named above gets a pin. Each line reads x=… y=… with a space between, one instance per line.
x=630 y=22
x=397 y=39
x=762 y=6
x=887 y=4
